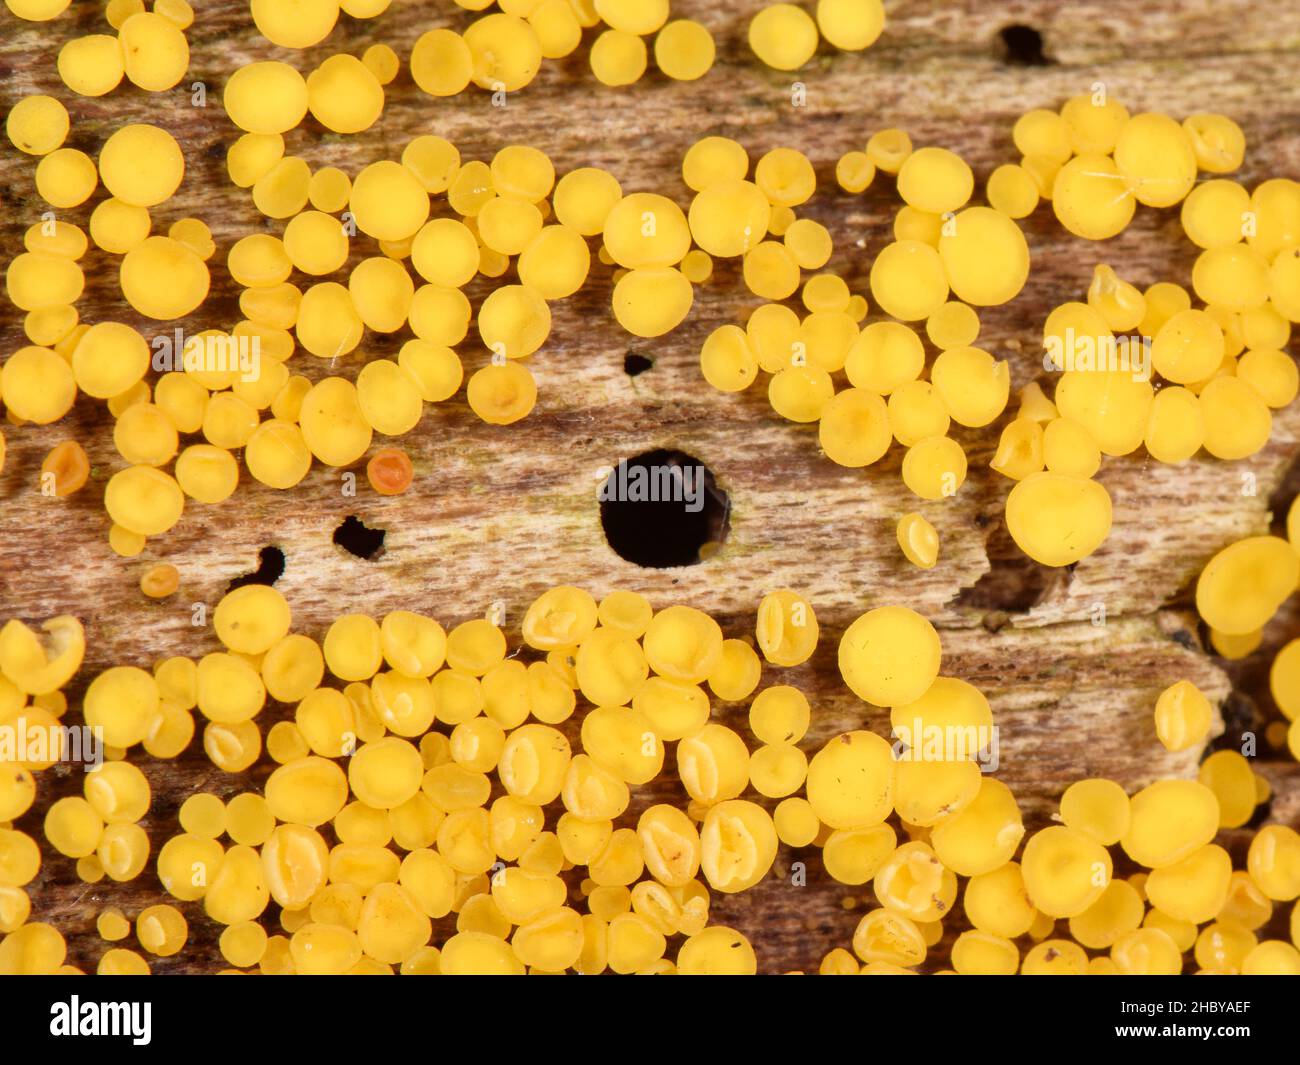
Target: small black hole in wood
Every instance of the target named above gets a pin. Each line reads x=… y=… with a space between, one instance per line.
x=634 y=364
x=1023 y=46
x=357 y=538
x=270 y=567
x=663 y=508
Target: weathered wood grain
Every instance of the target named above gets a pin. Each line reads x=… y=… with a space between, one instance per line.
x=500 y=514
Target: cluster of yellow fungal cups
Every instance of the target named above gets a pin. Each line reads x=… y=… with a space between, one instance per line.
x=448 y=221
x=436 y=223
x=441 y=802
x=1239 y=595
x=1133 y=368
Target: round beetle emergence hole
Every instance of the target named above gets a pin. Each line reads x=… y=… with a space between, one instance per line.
x=663 y=508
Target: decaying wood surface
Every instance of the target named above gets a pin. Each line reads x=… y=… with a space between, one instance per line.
x=500 y=514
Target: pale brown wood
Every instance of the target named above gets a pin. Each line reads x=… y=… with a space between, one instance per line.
x=500 y=514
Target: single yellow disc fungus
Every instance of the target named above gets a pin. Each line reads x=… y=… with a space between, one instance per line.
x=889 y=656
x=973 y=385
x=1237 y=419
x=1058 y=519
x=163 y=279
x=141 y=165
x=983 y=835
x=783 y=36
x=917 y=412
x=1091 y=198
x=984 y=255
x=66 y=177
x=1229 y=776
x=934 y=467
x=1182 y=716
x=1156 y=157
x=1243 y=585
x=737 y=845
x=1170 y=820
x=684 y=50
x=854 y=428
x=502 y=394
x=295 y=23
x=646 y=230
x=851 y=25
x=388 y=201
x=505 y=51
x=266 y=98
x=38 y=11
x=155 y=53
x=1188 y=347
x=37 y=124
x=935 y=180
x=908 y=280
x=1065 y=871
x=1175 y=425
x=343 y=95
